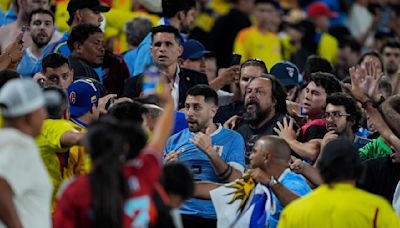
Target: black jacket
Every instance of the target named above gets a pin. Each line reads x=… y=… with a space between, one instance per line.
x=187 y=79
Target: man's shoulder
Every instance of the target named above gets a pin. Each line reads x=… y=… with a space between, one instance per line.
x=229 y=133
x=146 y=42
x=192 y=75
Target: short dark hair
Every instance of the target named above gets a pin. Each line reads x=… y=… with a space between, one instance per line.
x=351 y=43
x=391 y=44
x=40 y=11
x=315 y=63
x=177 y=179
x=7 y=75
x=371 y=53
x=128 y=111
x=327 y=81
x=350 y=105
x=57 y=111
x=167 y=29
x=340 y=162
x=255 y=62
x=206 y=91
x=81 y=33
x=171 y=7
x=278 y=93
x=54 y=60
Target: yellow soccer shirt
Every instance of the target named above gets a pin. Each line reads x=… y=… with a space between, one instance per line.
x=78 y=160
x=339 y=205
x=115 y=26
x=49 y=143
x=251 y=43
x=328 y=47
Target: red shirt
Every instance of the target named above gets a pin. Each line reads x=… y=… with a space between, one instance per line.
x=142 y=174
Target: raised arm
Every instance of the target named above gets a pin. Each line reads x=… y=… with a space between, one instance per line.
x=163 y=128
x=72 y=138
x=308 y=150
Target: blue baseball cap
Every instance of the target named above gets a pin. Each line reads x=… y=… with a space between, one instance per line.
x=82 y=94
x=287 y=73
x=193 y=49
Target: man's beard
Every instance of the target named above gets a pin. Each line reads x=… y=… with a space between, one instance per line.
x=392 y=70
x=256 y=117
x=196 y=126
x=40 y=42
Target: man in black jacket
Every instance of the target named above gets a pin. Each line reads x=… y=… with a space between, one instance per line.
x=165 y=50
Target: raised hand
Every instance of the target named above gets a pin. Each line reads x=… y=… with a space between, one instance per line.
x=285 y=129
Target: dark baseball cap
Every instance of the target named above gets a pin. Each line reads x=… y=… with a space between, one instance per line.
x=194 y=50
x=287 y=73
x=74 y=5
x=82 y=95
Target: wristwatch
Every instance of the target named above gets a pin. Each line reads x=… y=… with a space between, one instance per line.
x=272 y=182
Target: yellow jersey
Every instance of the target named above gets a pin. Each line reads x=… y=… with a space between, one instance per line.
x=328 y=47
x=339 y=205
x=52 y=152
x=115 y=26
x=78 y=161
x=251 y=43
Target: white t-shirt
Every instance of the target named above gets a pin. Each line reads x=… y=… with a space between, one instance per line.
x=22 y=167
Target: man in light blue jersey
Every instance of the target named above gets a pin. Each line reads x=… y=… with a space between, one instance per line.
x=212 y=152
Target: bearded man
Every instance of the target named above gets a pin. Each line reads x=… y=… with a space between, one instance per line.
x=265 y=103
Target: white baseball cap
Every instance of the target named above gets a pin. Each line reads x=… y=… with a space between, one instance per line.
x=20 y=96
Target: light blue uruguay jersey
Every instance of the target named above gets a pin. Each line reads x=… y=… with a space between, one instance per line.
x=230 y=146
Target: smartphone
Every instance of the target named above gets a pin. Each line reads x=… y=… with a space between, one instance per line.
x=235 y=59
x=152 y=80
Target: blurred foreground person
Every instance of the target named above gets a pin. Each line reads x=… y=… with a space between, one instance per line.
x=124 y=175
x=338 y=202
x=24 y=183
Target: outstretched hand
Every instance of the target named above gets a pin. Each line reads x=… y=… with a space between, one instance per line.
x=285 y=130
x=364 y=81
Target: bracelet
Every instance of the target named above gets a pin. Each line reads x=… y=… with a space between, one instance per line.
x=223 y=174
x=226 y=177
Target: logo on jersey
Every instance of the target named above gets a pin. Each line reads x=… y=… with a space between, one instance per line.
x=72 y=97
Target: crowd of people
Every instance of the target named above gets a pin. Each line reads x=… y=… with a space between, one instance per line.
x=139 y=113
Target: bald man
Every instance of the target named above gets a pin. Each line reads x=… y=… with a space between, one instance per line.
x=270 y=166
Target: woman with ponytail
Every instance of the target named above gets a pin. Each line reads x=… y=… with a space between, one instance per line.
x=117 y=192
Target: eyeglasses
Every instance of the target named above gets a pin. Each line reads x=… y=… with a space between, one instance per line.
x=334 y=115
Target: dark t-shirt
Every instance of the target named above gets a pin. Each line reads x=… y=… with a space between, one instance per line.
x=315 y=129
x=381 y=177
x=251 y=135
x=227 y=111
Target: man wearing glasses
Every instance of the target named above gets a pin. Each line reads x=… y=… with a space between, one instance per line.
x=342 y=116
